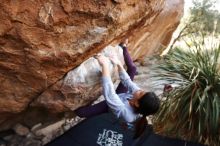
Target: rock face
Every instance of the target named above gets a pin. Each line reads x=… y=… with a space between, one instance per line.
x=41 y=41
x=79 y=85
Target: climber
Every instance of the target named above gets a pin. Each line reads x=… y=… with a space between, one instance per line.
x=128 y=102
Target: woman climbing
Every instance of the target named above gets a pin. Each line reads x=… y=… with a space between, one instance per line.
x=128 y=101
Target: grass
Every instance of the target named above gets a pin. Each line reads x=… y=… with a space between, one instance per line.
x=191 y=110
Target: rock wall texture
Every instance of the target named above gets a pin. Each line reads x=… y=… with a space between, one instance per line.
x=80 y=85
x=42 y=40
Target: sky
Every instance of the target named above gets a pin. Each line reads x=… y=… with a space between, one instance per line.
x=188 y=4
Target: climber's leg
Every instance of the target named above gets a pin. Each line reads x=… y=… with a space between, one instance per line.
x=131 y=70
x=92 y=110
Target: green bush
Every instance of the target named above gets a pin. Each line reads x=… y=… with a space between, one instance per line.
x=191 y=110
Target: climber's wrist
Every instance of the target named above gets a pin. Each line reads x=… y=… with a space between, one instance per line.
x=120 y=67
x=104 y=65
x=105 y=70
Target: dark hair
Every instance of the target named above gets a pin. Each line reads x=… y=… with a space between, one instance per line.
x=149 y=104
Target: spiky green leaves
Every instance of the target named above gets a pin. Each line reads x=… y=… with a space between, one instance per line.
x=192 y=109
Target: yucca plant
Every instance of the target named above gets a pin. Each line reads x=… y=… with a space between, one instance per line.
x=191 y=110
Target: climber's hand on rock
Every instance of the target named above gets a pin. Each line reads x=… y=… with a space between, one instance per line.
x=115 y=60
x=102 y=59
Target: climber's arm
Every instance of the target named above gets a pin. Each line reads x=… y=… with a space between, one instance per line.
x=112 y=99
x=93 y=110
x=126 y=80
x=124 y=77
x=131 y=68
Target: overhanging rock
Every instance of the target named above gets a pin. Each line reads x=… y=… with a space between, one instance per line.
x=41 y=41
x=80 y=86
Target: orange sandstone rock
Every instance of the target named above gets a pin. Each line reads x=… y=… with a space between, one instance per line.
x=41 y=41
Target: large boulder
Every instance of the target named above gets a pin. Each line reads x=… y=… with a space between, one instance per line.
x=41 y=41
x=80 y=85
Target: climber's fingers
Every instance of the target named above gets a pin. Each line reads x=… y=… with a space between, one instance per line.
x=102 y=59
x=115 y=60
x=97 y=55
